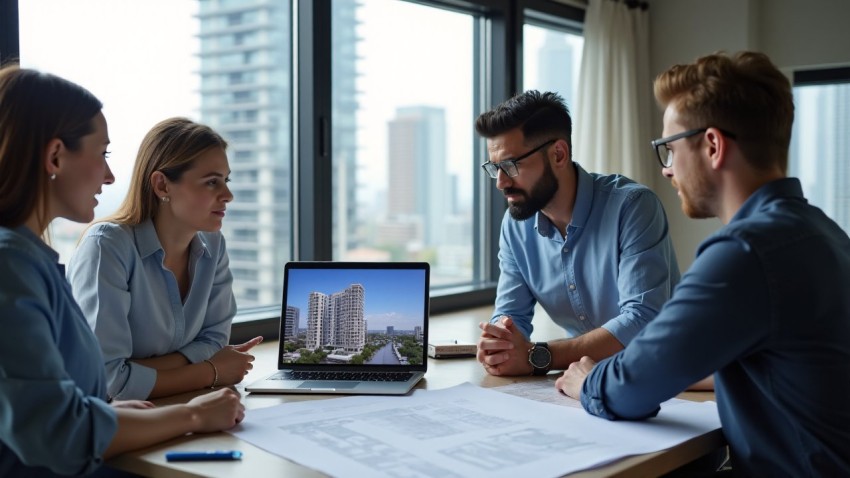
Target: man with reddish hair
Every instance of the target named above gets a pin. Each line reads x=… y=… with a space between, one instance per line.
x=765 y=305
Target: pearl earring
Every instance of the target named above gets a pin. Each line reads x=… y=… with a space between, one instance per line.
x=53 y=176
x=166 y=199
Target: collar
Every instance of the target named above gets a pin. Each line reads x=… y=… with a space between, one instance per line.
x=27 y=233
x=147 y=242
x=789 y=188
x=581 y=207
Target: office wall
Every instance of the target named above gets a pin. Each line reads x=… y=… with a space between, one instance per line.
x=797 y=34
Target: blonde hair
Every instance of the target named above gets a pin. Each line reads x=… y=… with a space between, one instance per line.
x=36 y=108
x=744 y=94
x=171 y=147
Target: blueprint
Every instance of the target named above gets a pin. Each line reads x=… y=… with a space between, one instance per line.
x=463 y=431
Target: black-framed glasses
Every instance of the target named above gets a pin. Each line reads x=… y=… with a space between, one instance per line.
x=509 y=165
x=665 y=155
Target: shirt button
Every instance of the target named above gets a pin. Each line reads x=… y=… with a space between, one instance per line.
x=580 y=317
x=572 y=287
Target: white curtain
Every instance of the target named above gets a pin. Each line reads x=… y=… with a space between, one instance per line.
x=612 y=130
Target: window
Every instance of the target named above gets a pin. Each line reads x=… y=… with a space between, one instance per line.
x=385 y=162
x=820 y=141
x=551 y=60
x=124 y=74
x=189 y=67
x=403 y=144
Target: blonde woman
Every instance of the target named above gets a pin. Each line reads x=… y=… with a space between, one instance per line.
x=154 y=280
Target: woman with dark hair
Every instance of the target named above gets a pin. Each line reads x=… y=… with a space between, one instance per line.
x=54 y=415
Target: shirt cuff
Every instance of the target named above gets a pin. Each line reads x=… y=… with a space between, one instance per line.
x=139 y=384
x=196 y=352
x=591 y=392
x=105 y=426
x=624 y=333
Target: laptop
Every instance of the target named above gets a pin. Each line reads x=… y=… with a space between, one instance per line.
x=351 y=328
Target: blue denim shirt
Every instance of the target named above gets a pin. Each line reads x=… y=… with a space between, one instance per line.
x=615 y=269
x=133 y=302
x=766 y=305
x=53 y=413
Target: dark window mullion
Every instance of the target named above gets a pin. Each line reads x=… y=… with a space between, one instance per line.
x=313 y=212
x=9 y=41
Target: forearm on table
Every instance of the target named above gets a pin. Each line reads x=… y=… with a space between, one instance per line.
x=164 y=362
x=183 y=379
x=596 y=344
x=141 y=428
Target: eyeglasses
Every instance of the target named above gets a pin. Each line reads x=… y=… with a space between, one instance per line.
x=509 y=165
x=665 y=155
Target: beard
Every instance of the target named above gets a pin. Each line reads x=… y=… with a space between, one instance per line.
x=541 y=193
x=698 y=197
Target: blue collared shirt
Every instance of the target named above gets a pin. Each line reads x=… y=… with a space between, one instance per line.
x=615 y=269
x=133 y=302
x=53 y=413
x=766 y=305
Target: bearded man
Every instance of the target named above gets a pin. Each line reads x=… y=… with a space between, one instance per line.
x=593 y=250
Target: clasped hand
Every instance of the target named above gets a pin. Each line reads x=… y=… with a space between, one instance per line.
x=503 y=349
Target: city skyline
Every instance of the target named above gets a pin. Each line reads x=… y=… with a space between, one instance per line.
x=392 y=297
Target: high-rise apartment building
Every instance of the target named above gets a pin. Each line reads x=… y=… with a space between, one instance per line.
x=291 y=323
x=317 y=317
x=337 y=320
x=418 y=175
x=344 y=106
x=246 y=95
x=555 y=66
x=348 y=324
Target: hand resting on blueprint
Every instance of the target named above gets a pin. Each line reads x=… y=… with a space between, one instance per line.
x=573 y=378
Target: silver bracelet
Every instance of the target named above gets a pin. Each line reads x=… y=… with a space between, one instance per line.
x=215 y=370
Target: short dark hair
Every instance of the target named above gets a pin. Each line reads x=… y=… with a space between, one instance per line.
x=540 y=116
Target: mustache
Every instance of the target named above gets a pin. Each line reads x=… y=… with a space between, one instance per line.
x=512 y=191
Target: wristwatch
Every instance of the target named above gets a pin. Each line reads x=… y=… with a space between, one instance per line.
x=540 y=358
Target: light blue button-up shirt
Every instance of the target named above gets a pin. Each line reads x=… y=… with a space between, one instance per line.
x=53 y=413
x=615 y=269
x=766 y=306
x=133 y=302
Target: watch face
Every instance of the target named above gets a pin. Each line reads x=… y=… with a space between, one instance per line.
x=540 y=357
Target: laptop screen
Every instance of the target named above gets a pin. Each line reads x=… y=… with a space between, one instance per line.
x=351 y=315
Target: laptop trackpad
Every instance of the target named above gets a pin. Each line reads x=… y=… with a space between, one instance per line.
x=319 y=384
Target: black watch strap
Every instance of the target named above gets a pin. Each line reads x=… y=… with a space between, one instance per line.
x=540 y=358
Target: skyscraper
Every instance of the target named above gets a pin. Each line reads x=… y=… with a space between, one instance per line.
x=291 y=323
x=418 y=177
x=555 y=66
x=337 y=320
x=344 y=106
x=317 y=320
x=246 y=95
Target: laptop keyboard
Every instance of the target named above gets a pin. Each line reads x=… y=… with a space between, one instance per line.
x=353 y=376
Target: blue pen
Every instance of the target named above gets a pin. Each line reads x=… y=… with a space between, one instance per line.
x=218 y=455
